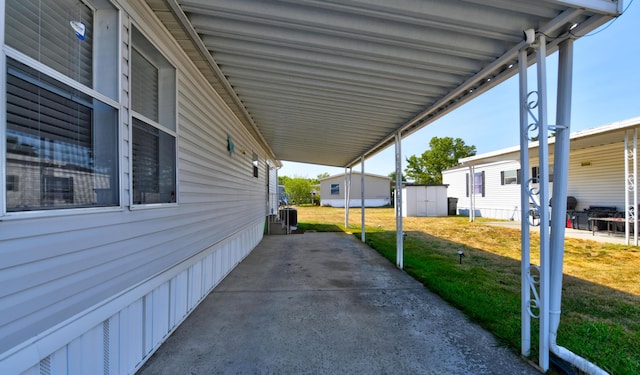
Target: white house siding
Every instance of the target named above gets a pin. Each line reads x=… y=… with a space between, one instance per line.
x=500 y=201
x=377 y=191
x=596 y=178
x=98 y=290
x=602 y=182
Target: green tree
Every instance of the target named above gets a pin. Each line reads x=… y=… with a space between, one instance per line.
x=443 y=153
x=298 y=190
x=283 y=179
x=392 y=175
x=323 y=175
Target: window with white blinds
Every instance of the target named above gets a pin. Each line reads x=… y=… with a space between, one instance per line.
x=144 y=86
x=42 y=31
x=61 y=142
x=153 y=126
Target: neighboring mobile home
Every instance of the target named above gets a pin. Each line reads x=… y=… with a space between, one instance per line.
x=132 y=189
x=376 y=194
x=596 y=173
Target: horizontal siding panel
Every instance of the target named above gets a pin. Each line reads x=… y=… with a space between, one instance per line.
x=602 y=182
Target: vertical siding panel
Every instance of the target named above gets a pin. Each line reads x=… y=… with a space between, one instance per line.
x=160 y=313
x=114 y=344
x=208 y=273
x=91 y=353
x=59 y=361
x=147 y=313
x=172 y=302
x=181 y=296
x=35 y=370
x=131 y=337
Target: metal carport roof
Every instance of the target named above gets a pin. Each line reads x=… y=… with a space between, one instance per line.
x=327 y=82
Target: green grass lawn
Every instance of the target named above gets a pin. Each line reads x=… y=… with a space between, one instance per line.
x=601 y=300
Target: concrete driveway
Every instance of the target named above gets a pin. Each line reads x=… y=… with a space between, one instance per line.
x=324 y=303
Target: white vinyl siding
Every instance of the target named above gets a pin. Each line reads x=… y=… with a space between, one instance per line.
x=498 y=201
x=377 y=191
x=601 y=183
x=596 y=178
x=120 y=281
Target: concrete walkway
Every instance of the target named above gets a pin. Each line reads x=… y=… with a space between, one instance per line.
x=324 y=303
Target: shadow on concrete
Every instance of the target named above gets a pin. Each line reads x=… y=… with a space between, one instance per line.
x=325 y=303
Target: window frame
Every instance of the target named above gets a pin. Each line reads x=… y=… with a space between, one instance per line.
x=482 y=184
x=110 y=96
x=256 y=165
x=155 y=124
x=515 y=179
x=337 y=189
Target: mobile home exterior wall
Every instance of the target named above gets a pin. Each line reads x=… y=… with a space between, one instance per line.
x=377 y=191
x=97 y=290
x=596 y=178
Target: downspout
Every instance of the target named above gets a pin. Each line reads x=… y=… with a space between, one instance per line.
x=561 y=163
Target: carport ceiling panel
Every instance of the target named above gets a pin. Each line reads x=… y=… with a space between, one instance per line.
x=326 y=81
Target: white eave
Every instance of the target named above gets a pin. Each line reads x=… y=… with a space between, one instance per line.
x=599 y=136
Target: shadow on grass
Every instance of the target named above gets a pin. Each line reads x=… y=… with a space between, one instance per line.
x=318 y=227
x=598 y=323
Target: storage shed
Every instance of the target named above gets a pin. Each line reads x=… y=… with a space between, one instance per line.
x=424 y=200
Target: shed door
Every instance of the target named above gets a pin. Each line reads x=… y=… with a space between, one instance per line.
x=426 y=201
x=431 y=201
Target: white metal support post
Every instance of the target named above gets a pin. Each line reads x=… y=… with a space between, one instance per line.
x=627 y=187
x=362 y=233
x=543 y=203
x=631 y=185
x=635 y=186
x=472 y=196
x=525 y=265
x=398 y=205
x=347 y=197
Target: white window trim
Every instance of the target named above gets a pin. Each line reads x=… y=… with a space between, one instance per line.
x=133 y=114
x=10 y=52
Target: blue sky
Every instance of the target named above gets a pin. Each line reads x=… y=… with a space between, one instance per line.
x=606 y=89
